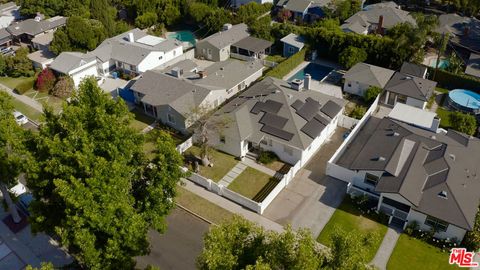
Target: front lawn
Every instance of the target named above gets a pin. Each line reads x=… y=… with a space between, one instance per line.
x=12 y=83
x=349 y=218
x=45 y=99
x=250 y=182
x=222 y=163
x=202 y=207
x=415 y=254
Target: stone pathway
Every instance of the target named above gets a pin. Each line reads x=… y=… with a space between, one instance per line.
x=258 y=167
x=232 y=174
x=386 y=248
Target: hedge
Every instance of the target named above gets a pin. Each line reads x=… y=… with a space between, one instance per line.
x=455 y=81
x=24 y=86
x=282 y=69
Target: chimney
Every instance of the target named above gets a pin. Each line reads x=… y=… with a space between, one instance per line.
x=296 y=84
x=380 y=25
x=202 y=74
x=307 y=81
x=130 y=37
x=177 y=72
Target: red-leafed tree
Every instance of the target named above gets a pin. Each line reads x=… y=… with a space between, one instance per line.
x=284 y=15
x=45 y=80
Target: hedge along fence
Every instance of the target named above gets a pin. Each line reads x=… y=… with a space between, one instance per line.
x=453 y=81
x=282 y=69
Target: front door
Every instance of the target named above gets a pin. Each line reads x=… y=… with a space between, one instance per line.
x=391 y=98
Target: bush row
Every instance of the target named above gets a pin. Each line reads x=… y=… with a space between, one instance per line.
x=282 y=69
x=452 y=81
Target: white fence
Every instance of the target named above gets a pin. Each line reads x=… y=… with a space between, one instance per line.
x=257 y=207
x=185 y=145
x=347 y=122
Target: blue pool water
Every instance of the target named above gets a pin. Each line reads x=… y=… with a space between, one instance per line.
x=318 y=72
x=184 y=36
x=442 y=65
x=465 y=98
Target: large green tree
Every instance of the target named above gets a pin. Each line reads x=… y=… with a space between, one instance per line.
x=13 y=153
x=465 y=123
x=351 y=56
x=93 y=185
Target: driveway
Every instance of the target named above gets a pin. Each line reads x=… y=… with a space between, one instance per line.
x=181 y=244
x=311 y=198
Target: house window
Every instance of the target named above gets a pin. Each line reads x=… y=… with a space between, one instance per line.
x=291 y=49
x=160 y=58
x=402 y=99
x=437 y=224
x=229 y=90
x=171 y=119
x=370 y=179
x=222 y=138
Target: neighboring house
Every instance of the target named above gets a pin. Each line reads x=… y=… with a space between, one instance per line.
x=26 y=30
x=415 y=174
x=76 y=65
x=42 y=42
x=5 y=37
x=361 y=76
x=407 y=89
x=292 y=44
x=414 y=70
x=172 y=95
x=276 y=116
x=464 y=32
x=217 y=46
x=238 y=3
x=305 y=10
x=41 y=59
x=10 y=9
x=252 y=47
x=473 y=65
x=377 y=19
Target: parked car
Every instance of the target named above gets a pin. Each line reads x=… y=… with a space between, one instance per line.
x=6 y=50
x=24 y=201
x=20 y=118
x=18 y=189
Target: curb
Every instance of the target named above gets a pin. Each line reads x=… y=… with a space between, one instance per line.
x=195 y=214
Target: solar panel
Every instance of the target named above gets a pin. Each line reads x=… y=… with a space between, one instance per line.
x=257 y=108
x=271 y=106
x=282 y=134
x=313 y=128
x=309 y=110
x=297 y=104
x=331 y=109
x=273 y=120
x=322 y=119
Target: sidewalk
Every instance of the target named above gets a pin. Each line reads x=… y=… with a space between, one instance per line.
x=386 y=248
x=233 y=207
x=28 y=101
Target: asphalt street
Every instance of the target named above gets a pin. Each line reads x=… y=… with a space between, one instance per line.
x=181 y=244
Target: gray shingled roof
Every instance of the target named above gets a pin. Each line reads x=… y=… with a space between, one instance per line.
x=464 y=31
x=391 y=17
x=294 y=40
x=418 y=165
x=33 y=27
x=253 y=44
x=411 y=86
x=369 y=74
x=473 y=65
x=44 y=39
x=413 y=69
x=228 y=37
x=298 y=5
x=67 y=61
x=277 y=98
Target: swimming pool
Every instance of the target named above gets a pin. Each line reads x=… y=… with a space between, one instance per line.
x=464 y=100
x=442 y=65
x=318 y=72
x=184 y=36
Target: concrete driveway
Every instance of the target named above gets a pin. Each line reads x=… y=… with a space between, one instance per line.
x=311 y=198
x=181 y=244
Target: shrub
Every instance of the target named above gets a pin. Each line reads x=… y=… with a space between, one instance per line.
x=462 y=122
x=472 y=239
x=267 y=157
x=411 y=228
x=358 y=112
x=351 y=56
x=451 y=81
x=45 y=81
x=372 y=93
x=24 y=86
x=288 y=65
x=63 y=88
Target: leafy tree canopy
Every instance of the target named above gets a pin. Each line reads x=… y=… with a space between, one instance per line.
x=465 y=123
x=351 y=56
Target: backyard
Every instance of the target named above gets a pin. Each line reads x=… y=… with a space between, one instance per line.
x=349 y=218
x=250 y=182
x=141 y=120
x=222 y=163
x=417 y=255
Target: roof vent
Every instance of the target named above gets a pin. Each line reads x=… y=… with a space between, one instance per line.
x=380 y=158
x=452 y=156
x=442 y=194
x=433 y=137
x=395 y=134
x=408 y=78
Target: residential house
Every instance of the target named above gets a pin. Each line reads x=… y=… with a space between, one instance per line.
x=274 y=115
x=361 y=76
x=473 y=65
x=464 y=32
x=292 y=44
x=172 y=95
x=377 y=19
x=415 y=174
x=42 y=42
x=76 y=65
x=41 y=59
x=414 y=70
x=239 y=3
x=217 y=46
x=407 y=89
x=304 y=10
x=25 y=31
x=9 y=12
x=252 y=47
x=5 y=37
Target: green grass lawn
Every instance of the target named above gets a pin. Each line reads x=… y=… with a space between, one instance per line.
x=28 y=111
x=444 y=117
x=222 y=163
x=45 y=99
x=13 y=82
x=441 y=90
x=348 y=218
x=141 y=120
x=415 y=254
x=202 y=207
x=152 y=136
x=249 y=182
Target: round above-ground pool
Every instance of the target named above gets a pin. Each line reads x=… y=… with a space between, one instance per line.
x=464 y=100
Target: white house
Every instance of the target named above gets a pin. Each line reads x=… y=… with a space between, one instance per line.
x=408 y=89
x=276 y=116
x=76 y=65
x=361 y=76
x=414 y=173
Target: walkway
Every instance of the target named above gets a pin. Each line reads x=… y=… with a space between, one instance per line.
x=149 y=127
x=232 y=207
x=28 y=101
x=386 y=248
x=258 y=167
x=232 y=174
